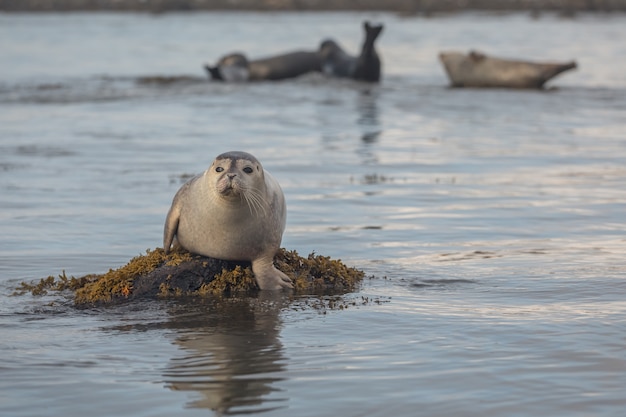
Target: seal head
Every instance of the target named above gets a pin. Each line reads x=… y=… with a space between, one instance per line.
x=234 y=211
x=232 y=68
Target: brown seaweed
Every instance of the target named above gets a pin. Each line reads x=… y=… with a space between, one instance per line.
x=181 y=273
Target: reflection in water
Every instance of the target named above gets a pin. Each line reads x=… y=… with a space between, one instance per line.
x=339 y=129
x=367 y=107
x=369 y=125
x=233 y=353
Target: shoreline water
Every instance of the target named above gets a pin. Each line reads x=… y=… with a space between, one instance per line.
x=426 y=7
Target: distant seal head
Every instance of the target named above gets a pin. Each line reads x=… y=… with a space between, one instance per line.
x=365 y=67
x=479 y=70
x=335 y=61
x=235 y=211
x=237 y=68
x=230 y=68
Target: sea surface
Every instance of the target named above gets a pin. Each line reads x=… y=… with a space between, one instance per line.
x=491 y=224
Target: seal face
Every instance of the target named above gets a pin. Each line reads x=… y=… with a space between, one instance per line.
x=234 y=211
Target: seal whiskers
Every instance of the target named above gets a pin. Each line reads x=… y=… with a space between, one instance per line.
x=255 y=201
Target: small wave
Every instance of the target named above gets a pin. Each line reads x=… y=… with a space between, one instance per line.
x=441 y=282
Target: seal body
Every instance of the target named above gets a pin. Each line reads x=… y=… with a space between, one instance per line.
x=237 y=68
x=365 y=67
x=235 y=211
x=478 y=70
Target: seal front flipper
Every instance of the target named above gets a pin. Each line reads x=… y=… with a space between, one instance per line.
x=171 y=226
x=173 y=216
x=267 y=276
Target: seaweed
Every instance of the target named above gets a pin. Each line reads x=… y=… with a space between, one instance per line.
x=57 y=284
x=180 y=273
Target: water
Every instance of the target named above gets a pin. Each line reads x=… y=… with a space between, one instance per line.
x=492 y=222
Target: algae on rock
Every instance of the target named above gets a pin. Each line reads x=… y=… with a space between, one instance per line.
x=181 y=273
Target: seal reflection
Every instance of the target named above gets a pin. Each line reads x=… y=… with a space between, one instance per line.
x=368 y=120
x=232 y=353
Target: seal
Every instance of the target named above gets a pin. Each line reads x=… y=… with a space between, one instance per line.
x=236 y=67
x=478 y=70
x=366 y=67
x=233 y=211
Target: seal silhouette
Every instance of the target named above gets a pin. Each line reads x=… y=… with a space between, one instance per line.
x=234 y=211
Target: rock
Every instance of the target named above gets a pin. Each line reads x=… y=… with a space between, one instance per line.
x=181 y=273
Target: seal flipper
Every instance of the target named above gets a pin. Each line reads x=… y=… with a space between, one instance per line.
x=173 y=216
x=171 y=226
x=550 y=71
x=368 y=62
x=267 y=276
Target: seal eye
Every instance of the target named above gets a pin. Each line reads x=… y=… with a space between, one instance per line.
x=248 y=170
x=219 y=169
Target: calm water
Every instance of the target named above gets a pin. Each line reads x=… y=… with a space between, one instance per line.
x=493 y=222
